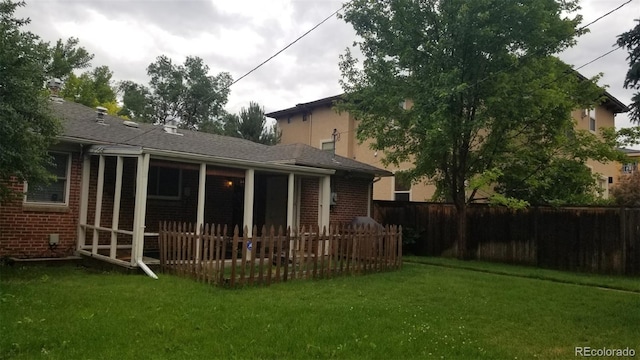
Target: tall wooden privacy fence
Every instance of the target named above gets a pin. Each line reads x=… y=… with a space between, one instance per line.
x=593 y=239
x=209 y=255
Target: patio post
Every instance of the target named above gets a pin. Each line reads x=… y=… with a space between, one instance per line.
x=290 y=199
x=84 y=201
x=249 y=190
x=115 y=220
x=369 y=198
x=325 y=201
x=290 y=209
x=140 y=209
x=201 y=199
x=98 y=213
x=325 y=207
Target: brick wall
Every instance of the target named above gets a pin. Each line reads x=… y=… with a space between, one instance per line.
x=25 y=229
x=309 y=189
x=352 y=198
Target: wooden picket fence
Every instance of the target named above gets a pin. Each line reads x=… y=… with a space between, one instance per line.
x=210 y=256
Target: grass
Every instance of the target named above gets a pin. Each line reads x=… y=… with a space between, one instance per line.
x=609 y=282
x=421 y=311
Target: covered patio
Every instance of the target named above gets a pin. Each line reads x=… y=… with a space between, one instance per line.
x=127 y=191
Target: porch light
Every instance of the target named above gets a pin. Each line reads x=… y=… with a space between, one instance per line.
x=228 y=183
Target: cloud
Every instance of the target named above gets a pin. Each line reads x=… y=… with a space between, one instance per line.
x=236 y=35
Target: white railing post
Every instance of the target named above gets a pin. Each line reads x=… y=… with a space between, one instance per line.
x=84 y=201
x=115 y=221
x=140 y=209
x=98 y=213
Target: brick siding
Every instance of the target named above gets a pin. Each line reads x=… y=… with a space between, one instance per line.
x=352 y=198
x=25 y=229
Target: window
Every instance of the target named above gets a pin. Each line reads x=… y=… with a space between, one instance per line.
x=57 y=190
x=592 y=119
x=401 y=189
x=164 y=182
x=328 y=146
x=629 y=168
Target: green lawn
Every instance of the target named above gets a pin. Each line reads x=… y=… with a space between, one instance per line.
x=610 y=282
x=419 y=312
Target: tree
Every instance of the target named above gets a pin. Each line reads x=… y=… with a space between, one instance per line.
x=66 y=57
x=484 y=90
x=136 y=100
x=27 y=128
x=631 y=41
x=250 y=124
x=185 y=93
x=627 y=191
x=93 y=88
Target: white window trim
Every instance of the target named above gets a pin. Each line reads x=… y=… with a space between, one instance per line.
x=67 y=186
x=393 y=188
x=164 y=197
x=594 y=118
x=322 y=142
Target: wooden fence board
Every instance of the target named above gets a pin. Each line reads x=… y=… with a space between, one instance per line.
x=289 y=254
x=593 y=239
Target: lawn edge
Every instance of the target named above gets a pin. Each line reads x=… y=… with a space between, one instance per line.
x=524 y=276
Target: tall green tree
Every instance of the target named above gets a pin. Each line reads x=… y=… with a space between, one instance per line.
x=251 y=124
x=185 y=93
x=630 y=40
x=27 y=128
x=92 y=88
x=484 y=88
x=65 y=57
x=136 y=100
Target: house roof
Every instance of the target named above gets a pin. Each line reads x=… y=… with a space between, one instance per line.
x=630 y=152
x=79 y=126
x=610 y=102
x=299 y=108
x=305 y=155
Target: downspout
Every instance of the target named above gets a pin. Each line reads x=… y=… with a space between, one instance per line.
x=370 y=194
x=146 y=269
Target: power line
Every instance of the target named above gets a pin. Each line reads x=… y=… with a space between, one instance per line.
x=596 y=59
x=262 y=63
x=289 y=45
x=605 y=15
x=580 y=29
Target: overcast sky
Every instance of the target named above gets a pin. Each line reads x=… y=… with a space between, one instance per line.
x=236 y=35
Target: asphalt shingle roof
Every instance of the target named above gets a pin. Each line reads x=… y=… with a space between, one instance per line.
x=79 y=123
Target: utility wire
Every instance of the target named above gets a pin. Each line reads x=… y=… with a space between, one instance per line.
x=596 y=59
x=580 y=29
x=289 y=45
x=343 y=6
x=259 y=65
x=605 y=15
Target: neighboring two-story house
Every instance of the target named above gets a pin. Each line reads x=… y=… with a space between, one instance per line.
x=317 y=124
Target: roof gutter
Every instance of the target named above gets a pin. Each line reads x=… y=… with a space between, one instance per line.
x=238 y=163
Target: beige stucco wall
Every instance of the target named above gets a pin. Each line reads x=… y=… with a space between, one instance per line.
x=609 y=171
x=319 y=126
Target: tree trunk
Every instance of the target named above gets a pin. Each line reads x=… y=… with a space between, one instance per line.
x=461 y=239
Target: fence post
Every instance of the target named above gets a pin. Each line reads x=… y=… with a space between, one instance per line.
x=399 y=231
x=243 y=263
x=279 y=236
x=286 y=252
x=270 y=255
